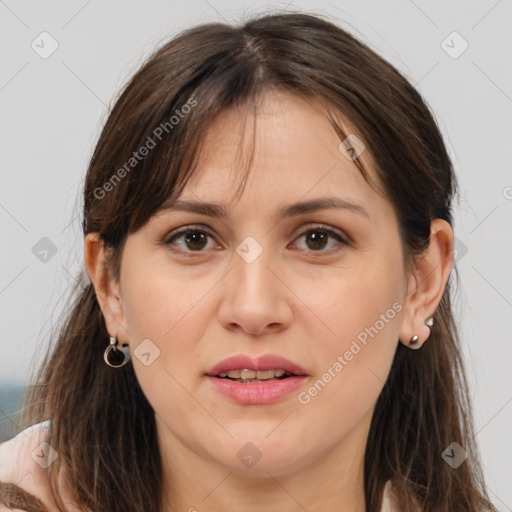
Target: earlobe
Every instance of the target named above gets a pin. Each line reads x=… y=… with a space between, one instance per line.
x=107 y=290
x=427 y=285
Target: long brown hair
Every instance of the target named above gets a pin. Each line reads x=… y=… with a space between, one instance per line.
x=102 y=426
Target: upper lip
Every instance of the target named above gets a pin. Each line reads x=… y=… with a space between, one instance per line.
x=266 y=362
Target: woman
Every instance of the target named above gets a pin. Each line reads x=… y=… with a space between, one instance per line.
x=277 y=337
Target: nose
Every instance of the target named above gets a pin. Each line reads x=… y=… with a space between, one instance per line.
x=255 y=298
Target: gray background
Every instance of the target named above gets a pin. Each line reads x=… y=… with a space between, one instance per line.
x=52 y=110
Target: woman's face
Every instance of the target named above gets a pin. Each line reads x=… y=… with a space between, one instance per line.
x=258 y=283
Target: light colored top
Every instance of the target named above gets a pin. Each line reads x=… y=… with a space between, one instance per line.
x=24 y=460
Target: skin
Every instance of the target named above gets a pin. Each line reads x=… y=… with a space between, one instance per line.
x=297 y=299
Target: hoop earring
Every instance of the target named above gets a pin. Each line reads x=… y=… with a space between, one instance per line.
x=116 y=357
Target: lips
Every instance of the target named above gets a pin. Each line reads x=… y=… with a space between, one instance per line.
x=266 y=362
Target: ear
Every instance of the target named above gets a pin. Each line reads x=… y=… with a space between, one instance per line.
x=106 y=287
x=427 y=283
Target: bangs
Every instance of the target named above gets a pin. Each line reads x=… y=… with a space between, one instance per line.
x=165 y=174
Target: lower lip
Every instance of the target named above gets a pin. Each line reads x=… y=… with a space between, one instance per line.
x=257 y=393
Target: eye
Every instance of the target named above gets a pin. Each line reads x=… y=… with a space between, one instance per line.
x=317 y=239
x=190 y=239
x=197 y=239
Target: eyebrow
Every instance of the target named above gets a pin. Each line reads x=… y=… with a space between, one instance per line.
x=219 y=211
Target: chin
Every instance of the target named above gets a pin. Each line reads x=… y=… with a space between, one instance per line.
x=259 y=456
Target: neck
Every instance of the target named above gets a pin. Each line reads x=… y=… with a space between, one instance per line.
x=194 y=482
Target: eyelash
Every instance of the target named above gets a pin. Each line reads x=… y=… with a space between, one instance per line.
x=316 y=228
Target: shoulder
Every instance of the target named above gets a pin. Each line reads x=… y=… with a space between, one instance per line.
x=24 y=462
x=390 y=500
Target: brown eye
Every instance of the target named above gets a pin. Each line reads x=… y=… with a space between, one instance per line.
x=196 y=239
x=190 y=240
x=317 y=239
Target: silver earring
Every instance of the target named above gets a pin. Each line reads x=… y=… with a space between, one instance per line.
x=413 y=343
x=429 y=321
x=116 y=357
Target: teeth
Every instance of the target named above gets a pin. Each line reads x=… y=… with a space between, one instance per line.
x=251 y=374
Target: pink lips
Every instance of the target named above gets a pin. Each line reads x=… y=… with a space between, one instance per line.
x=257 y=393
x=266 y=362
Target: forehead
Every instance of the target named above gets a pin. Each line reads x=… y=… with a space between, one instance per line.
x=290 y=147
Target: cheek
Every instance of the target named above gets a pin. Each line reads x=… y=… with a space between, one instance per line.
x=162 y=306
x=165 y=310
x=351 y=375
x=158 y=300
x=362 y=311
